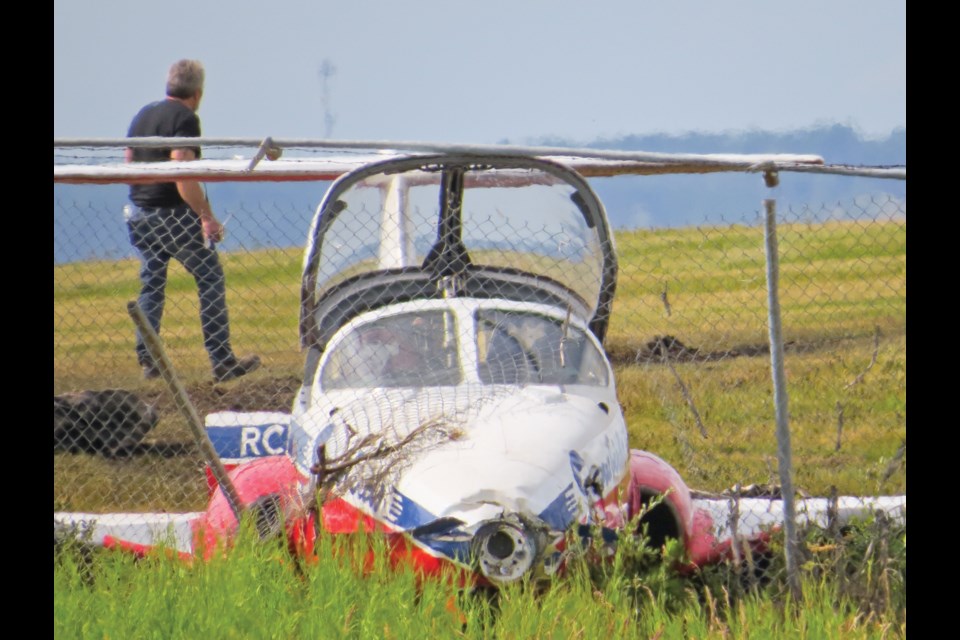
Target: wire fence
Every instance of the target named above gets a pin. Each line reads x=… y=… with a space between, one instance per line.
x=688 y=339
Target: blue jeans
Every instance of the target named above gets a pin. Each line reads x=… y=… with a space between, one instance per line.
x=164 y=233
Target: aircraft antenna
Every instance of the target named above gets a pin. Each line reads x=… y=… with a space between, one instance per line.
x=564 y=337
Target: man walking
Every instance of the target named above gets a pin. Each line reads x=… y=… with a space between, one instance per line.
x=175 y=220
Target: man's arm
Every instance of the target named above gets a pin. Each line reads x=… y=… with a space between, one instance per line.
x=193 y=194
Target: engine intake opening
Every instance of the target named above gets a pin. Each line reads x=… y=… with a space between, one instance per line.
x=660 y=520
x=267 y=516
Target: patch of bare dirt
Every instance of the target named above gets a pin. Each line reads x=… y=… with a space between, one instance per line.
x=662 y=349
x=255 y=394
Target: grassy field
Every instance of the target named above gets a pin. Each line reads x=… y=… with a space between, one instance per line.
x=854 y=590
x=707 y=408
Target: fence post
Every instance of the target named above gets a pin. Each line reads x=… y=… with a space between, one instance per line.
x=182 y=400
x=784 y=460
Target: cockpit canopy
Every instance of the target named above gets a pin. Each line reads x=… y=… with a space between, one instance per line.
x=432 y=227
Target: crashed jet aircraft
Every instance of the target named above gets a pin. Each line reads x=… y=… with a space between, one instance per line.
x=456 y=394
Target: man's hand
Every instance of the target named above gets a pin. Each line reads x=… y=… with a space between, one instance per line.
x=212 y=229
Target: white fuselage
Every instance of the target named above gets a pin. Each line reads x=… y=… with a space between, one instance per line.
x=472 y=451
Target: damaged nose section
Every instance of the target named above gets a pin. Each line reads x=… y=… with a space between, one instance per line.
x=509 y=547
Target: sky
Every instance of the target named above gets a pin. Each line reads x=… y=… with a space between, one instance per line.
x=491 y=72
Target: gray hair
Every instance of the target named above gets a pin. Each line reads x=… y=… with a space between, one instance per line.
x=185 y=79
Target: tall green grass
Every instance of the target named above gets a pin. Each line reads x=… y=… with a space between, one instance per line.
x=258 y=591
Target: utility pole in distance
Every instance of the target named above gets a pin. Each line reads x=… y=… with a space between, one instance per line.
x=327 y=70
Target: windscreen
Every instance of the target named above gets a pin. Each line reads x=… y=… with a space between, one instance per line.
x=408 y=350
x=528 y=348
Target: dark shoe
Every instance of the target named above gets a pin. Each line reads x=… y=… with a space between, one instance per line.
x=151 y=371
x=235 y=368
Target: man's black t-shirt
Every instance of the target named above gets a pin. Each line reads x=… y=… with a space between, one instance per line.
x=167 y=119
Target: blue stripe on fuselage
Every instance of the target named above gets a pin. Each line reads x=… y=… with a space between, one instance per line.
x=560 y=513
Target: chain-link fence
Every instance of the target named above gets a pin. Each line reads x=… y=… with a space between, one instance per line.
x=688 y=338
